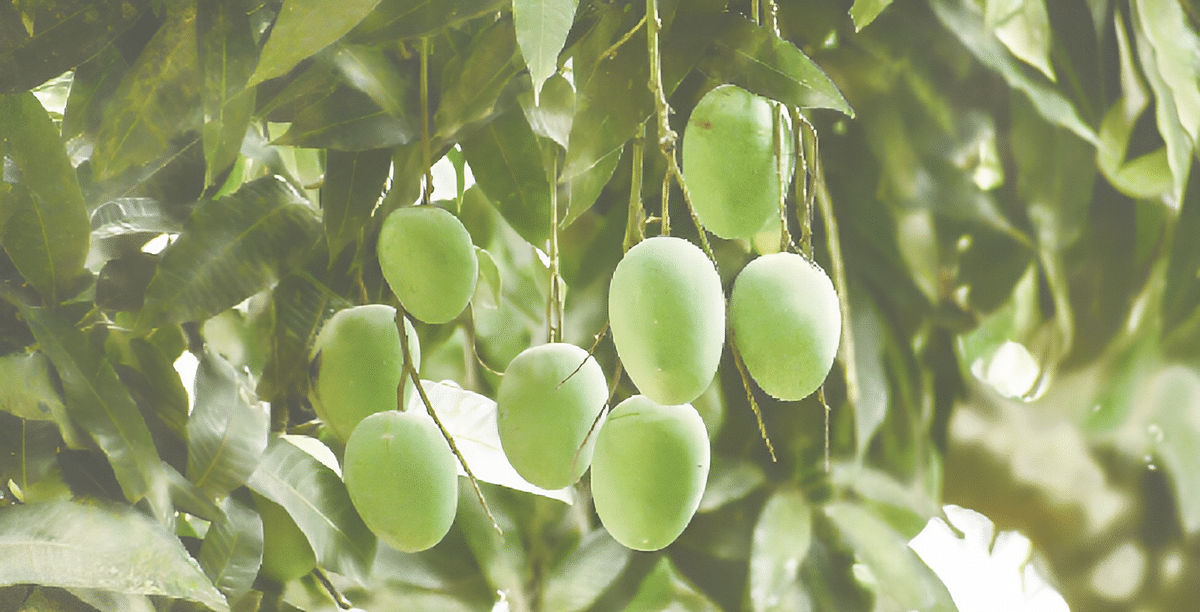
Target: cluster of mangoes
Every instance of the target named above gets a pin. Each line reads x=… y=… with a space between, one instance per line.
x=649 y=458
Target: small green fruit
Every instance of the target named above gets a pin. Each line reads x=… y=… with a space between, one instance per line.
x=666 y=310
x=429 y=262
x=787 y=323
x=402 y=479
x=287 y=555
x=730 y=163
x=649 y=471
x=359 y=364
x=542 y=423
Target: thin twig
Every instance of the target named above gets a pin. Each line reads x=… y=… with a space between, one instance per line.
x=426 y=153
x=635 y=229
x=762 y=427
x=474 y=347
x=612 y=50
x=833 y=243
x=555 y=319
x=591 y=351
x=338 y=598
x=828 y=410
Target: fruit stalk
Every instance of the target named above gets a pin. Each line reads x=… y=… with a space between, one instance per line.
x=833 y=243
x=635 y=230
x=426 y=153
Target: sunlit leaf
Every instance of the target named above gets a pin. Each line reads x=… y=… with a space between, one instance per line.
x=304 y=28
x=315 y=497
x=369 y=70
x=578 y=580
x=490 y=288
x=665 y=589
x=354 y=182
x=230 y=249
x=754 y=58
x=399 y=19
x=227 y=55
x=46 y=231
x=70 y=544
x=1173 y=398
x=232 y=549
x=729 y=480
x=227 y=431
x=134 y=215
x=96 y=399
x=542 y=27
x=865 y=11
x=61 y=35
x=781 y=540
x=507 y=163
x=473 y=81
x=157 y=100
x=551 y=117
x=1181 y=296
x=1024 y=27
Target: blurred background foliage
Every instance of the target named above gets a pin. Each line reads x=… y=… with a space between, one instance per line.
x=1018 y=237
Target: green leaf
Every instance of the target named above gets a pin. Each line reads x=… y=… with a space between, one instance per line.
x=158 y=100
x=227 y=55
x=577 y=581
x=315 y=497
x=781 y=540
x=752 y=57
x=354 y=182
x=303 y=28
x=1024 y=27
x=97 y=401
x=553 y=113
x=46 y=231
x=1170 y=58
x=542 y=27
x=507 y=163
x=728 y=481
x=348 y=120
x=227 y=431
x=400 y=19
x=665 y=589
x=232 y=549
x=501 y=557
x=1173 y=399
x=27 y=450
x=230 y=249
x=904 y=581
x=473 y=81
x=964 y=19
x=25 y=387
x=1055 y=174
x=1181 y=296
x=57 y=37
x=115 y=548
x=905 y=507
x=865 y=11
x=121 y=284
x=368 y=70
x=134 y=215
x=92 y=86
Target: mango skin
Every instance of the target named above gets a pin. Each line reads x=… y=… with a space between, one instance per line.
x=542 y=424
x=359 y=364
x=402 y=479
x=429 y=262
x=287 y=555
x=666 y=311
x=729 y=162
x=649 y=471
x=787 y=323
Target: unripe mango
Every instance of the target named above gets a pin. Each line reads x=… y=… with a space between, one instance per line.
x=542 y=423
x=402 y=479
x=359 y=364
x=667 y=315
x=787 y=323
x=429 y=262
x=729 y=162
x=649 y=471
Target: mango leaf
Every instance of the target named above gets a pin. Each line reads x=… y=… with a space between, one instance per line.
x=507 y=163
x=316 y=499
x=348 y=120
x=92 y=85
x=750 y=56
x=1170 y=58
x=542 y=27
x=354 y=183
x=232 y=549
x=46 y=231
x=865 y=11
x=553 y=113
x=230 y=249
x=134 y=215
x=121 y=284
x=400 y=19
x=664 y=589
x=964 y=19
x=1024 y=27
x=158 y=100
x=904 y=581
x=1172 y=397
x=728 y=481
x=53 y=37
x=368 y=70
x=227 y=56
x=577 y=581
x=25 y=387
x=98 y=402
x=303 y=28
x=227 y=432
x=1055 y=174
x=782 y=536
x=473 y=81
x=115 y=548
x=28 y=450
x=501 y=557
x=1181 y=296
x=471 y=420
x=490 y=287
